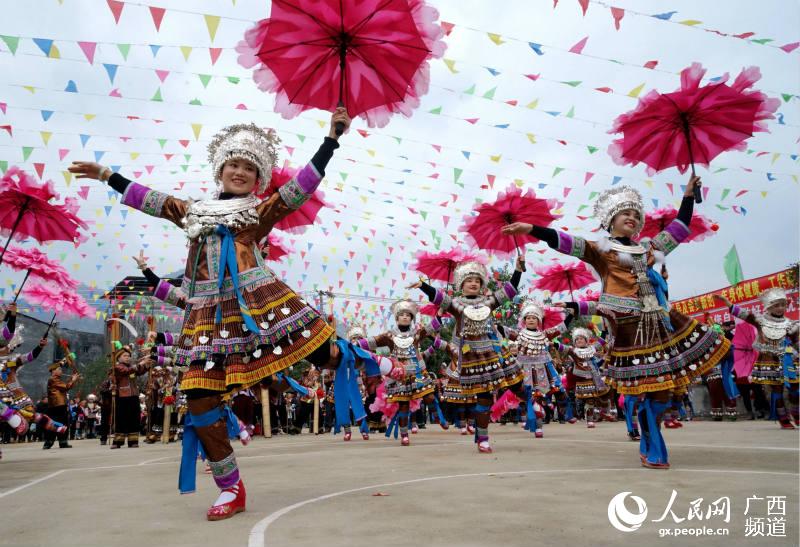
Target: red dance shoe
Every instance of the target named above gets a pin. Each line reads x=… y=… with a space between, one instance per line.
x=365 y=436
x=484 y=447
x=538 y=433
x=404 y=440
x=347 y=436
x=227 y=510
x=470 y=430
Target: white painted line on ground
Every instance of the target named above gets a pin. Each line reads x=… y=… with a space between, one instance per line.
x=31 y=483
x=257 y=537
x=636 y=443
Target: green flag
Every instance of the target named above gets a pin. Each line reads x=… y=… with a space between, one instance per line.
x=733 y=268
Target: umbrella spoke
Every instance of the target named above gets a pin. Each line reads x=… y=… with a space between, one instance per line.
x=324 y=26
x=311 y=74
x=355 y=29
x=388 y=84
x=379 y=41
x=331 y=44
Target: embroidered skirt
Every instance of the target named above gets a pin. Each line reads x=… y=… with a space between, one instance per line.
x=670 y=363
x=289 y=330
x=769 y=370
x=484 y=368
x=409 y=388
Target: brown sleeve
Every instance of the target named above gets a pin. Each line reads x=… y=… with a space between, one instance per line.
x=271 y=211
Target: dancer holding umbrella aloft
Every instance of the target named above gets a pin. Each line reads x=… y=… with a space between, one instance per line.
x=653 y=351
x=242 y=324
x=483 y=364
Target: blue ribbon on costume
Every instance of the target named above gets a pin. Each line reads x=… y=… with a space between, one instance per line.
x=731 y=391
x=438 y=407
x=530 y=419
x=629 y=405
x=789 y=368
x=652 y=442
x=551 y=369
x=191 y=442
x=227 y=260
x=296 y=387
x=346 y=393
x=661 y=288
x=394 y=426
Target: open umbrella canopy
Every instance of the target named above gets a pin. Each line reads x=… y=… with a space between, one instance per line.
x=694 y=124
x=39 y=265
x=483 y=226
x=26 y=210
x=441 y=265
x=560 y=277
x=655 y=221
x=375 y=50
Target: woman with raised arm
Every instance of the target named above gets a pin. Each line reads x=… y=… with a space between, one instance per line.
x=242 y=324
x=653 y=351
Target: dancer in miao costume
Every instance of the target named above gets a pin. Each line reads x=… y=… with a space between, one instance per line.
x=541 y=379
x=589 y=384
x=483 y=364
x=653 y=351
x=241 y=324
x=777 y=346
x=411 y=381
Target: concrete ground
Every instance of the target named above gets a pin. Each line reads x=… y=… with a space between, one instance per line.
x=306 y=490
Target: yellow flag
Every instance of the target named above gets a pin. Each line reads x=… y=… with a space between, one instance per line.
x=196 y=128
x=495 y=38
x=46 y=136
x=212 y=23
x=636 y=90
x=451 y=64
x=186 y=50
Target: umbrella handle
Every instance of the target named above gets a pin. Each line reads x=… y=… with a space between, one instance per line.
x=49 y=326
x=19 y=291
x=698 y=196
x=339 y=127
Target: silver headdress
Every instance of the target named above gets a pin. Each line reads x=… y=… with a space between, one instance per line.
x=580 y=331
x=355 y=331
x=771 y=296
x=406 y=306
x=468 y=269
x=615 y=200
x=532 y=308
x=245 y=141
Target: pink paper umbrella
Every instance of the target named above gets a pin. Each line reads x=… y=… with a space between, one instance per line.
x=441 y=265
x=26 y=211
x=589 y=296
x=377 y=51
x=275 y=248
x=513 y=205
x=59 y=301
x=432 y=310
x=655 y=221
x=694 y=124
x=561 y=277
x=37 y=264
x=306 y=215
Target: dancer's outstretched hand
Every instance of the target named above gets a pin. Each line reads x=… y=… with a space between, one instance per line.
x=416 y=285
x=141 y=260
x=87 y=169
x=516 y=228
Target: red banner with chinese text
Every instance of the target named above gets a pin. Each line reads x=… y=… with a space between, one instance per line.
x=745 y=295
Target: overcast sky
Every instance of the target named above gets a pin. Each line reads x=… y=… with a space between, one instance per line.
x=394 y=189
